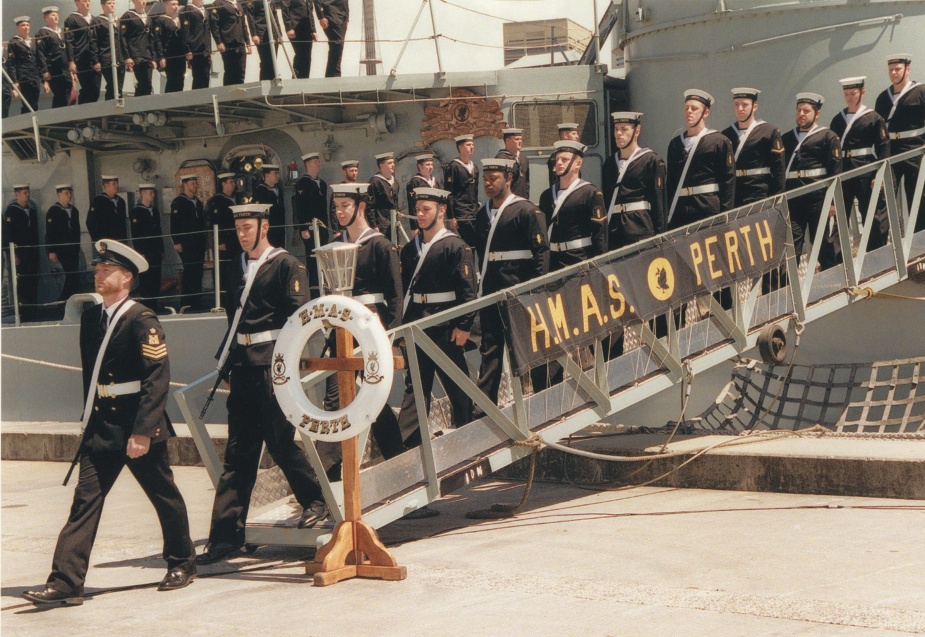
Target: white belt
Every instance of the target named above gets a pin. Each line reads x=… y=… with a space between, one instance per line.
x=574 y=244
x=510 y=255
x=906 y=134
x=860 y=152
x=699 y=190
x=370 y=299
x=434 y=297
x=118 y=389
x=634 y=205
x=812 y=172
x=258 y=337
x=748 y=172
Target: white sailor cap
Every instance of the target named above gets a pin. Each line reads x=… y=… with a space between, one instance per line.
x=899 y=58
x=431 y=194
x=511 y=132
x=564 y=126
x=17 y=187
x=60 y=187
x=251 y=211
x=626 y=117
x=350 y=163
x=21 y=18
x=811 y=98
x=424 y=157
x=569 y=146
x=463 y=138
x=852 y=82
x=495 y=164
x=381 y=157
x=270 y=167
x=105 y=178
x=146 y=187
x=745 y=92
x=311 y=155
x=112 y=251
x=224 y=176
x=186 y=178
x=701 y=96
x=355 y=189
x=49 y=9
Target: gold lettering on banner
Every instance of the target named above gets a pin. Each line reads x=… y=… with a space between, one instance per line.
x=732 y=251
x=613 y=287
x=589 y=307
x=765 y=240
x=711 y=257
x=537 y=326
x=557 y=312
x=748 y=244
x=697 y=257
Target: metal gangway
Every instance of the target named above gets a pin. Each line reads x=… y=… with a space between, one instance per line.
x=704 y=336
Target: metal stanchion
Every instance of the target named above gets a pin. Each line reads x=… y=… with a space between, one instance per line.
x=217 y=270
x=316 y=238
x=271 y=21
x=15 y=283
x=117 y=92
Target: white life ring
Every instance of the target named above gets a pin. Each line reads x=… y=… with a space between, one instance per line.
x=378 y=368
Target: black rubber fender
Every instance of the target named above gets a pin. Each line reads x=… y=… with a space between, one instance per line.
x=772 y=344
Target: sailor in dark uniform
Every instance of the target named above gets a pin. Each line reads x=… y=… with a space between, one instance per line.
x=423 y=179
x=140 y=46
x=308 y=204
x=701 y=167
x=82 y=55
x=902 y=105
x=49 y=41
x=261 y=36
x=300 y=29
x=190 y=240
x=25 y=65
x=104 y=47
x=172 y=46
x=383 y=192
x=126 y=426
x=512 y=248
x=377 y=285
x=757 y=148
x=565 y=131
x=62 y=238
x=107 y=215
x=634 y=185
x=231 y=27
x=148 y=239
x=351 y=168
x=21 y=227
x=813 y=153
x=513 y=139
x=864 y=140
x=194 y=22
x=270 y=192
x=279 y=288
x=438 y=273
x=333 y=16
x=218 y=213
x=7 y=90
x=461 y=178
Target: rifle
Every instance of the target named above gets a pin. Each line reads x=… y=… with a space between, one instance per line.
x=76 y=459
x=222 y=375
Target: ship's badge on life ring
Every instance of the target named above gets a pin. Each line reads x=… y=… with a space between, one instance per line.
x=279 y=370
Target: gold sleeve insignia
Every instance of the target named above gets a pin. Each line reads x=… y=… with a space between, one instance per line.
x=48 y=220
x=882 y=133
x=154 y=352
x=837 y=152
x=296 y=286
x=658 y=182
x=465 y=269
x=598 y=214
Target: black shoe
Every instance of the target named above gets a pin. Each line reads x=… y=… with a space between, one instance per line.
x=178 y=577
x=423 y=513
x=53 y=596
x=315 y=511
x=218 y=551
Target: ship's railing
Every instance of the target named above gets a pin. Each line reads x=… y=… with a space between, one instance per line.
x=699 y=336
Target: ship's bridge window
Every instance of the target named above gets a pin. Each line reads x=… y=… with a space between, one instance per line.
x=540 y=120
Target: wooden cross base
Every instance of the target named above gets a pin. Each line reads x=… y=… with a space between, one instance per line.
x=355 y=549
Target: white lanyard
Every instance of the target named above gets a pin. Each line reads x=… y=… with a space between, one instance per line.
x=91 y=392
x=896 y=98
x=639 y=152
x=561 y=200
x=442 y=234
x=491 y=233
x=748 y=131
x=251 y=275
x=812 y=131
x=857 y=115
x=687 y=164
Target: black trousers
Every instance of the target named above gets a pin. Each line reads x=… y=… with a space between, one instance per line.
x=335 y=33
x=69 y=258
x=312 y=265
x=861 y=189
x=89 y=81
x=265 y=53
x=459 y=400
x=110 y=84
x=254 y=418
x=60 y=85
x=805 y=212
x=192 y=275
x=27 y=282
x=302 y=55
x=143 y=85
x=176 y=74
x=98 y=473
x=29 y=91
x=492 y=351
x=201 y=67
x=149 y=284
x=235 y=62
x=910 y=170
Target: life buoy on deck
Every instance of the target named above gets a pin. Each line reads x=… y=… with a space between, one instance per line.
x=378 y=367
